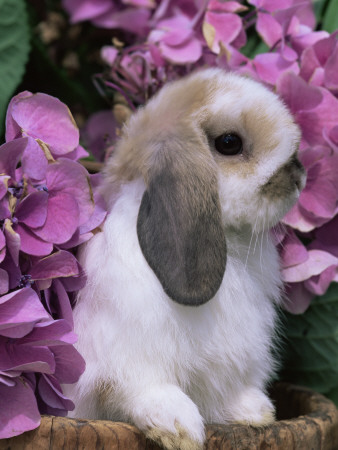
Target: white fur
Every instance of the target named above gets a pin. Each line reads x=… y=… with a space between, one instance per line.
x=132 y=334
x=166 y=367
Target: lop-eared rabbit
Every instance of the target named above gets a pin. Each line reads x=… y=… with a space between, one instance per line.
x=177 y=319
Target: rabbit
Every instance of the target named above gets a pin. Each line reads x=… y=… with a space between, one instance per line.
x=178 y=317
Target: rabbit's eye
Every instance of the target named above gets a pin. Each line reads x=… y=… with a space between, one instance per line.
x=229 y=144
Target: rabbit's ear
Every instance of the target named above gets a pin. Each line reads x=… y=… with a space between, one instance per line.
x=179 y=225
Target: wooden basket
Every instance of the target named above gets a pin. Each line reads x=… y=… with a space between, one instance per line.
x=306 y=421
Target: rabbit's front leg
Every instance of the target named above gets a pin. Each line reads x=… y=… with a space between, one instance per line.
x=252 y=407
x=168 y=416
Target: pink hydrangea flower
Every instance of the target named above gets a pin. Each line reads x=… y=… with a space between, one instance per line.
x=47 y=207
x=222 y=27
x=33 y=347
x=318 y=201
x=176 y=39
x=35 y=115
x=128 y=15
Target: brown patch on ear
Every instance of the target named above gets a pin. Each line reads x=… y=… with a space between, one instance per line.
x=179 y=223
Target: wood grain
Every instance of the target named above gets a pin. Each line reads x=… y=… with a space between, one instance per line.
x=308 y=421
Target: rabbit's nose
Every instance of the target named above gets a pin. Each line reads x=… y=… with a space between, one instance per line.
x=297 y=172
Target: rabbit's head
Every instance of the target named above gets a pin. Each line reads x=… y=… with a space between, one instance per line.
x=216 y=151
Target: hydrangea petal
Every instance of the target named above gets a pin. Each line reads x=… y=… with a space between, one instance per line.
x=76 y=239
x=31 y=244
x=189 y=52
x=320 y=198
x=19 y=312
x=297 y=94
x=10 y=154
x=296 y=219
x=62 y=219
x=293 y=251
x=62 y=306
x=140 y=3
x=98 y=216
x=176 y=36
x=13 y=241
x=78 y=153
x=80 y=10
x=319 y=284
x=331 y=72
x=108 y=54
x=69 y=363
x=32 y=210
x=327 y=237
x=271 y=5
x=38 y=114
x=4 y=209
x=4 y=282
x=51 y=393
x=26 y=358
x=7 y=377
x=21 y=412
x=305 y=14
x=59 y=264
x=268 y=28
x=316 y=263
x=130 y=19
x=228 y=6
x=3 y=185
x=99 y=132
x=13 y=271
x=68 y=176
x=317 y=78
x=2 y=246
x=271 y=66
x=227 y=27
x=306 y=40
x=13 y=130
x=55 y=332
x=73 y=284
x=309 y=62
x=34 y=162
x=314 y=121
x=325 y=48
x=298 y=298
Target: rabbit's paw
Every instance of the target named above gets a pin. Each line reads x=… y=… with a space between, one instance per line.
x=254 y=408
x=170 y=418
x=180 y=440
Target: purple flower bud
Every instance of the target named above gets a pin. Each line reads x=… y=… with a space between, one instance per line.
x=25 y=281
x=42 y=188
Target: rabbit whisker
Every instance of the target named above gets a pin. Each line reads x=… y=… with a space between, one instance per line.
x=261 y=252
x=251 y=238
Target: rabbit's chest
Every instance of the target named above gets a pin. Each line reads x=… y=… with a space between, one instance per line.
x=238 y=321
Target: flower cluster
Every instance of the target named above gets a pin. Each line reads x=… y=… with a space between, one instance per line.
x=47 y=207
x=165 y=40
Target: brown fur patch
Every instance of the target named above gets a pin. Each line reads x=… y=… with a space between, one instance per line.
x=164 y=117
x=174 y=441
x=282 y=183
x=257 y=123
x=257 y=131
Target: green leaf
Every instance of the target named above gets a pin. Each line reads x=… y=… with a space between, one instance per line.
x=311 y=351
x=330 y=17
x=14 y=49
x=319 y=9
x=254 y=46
